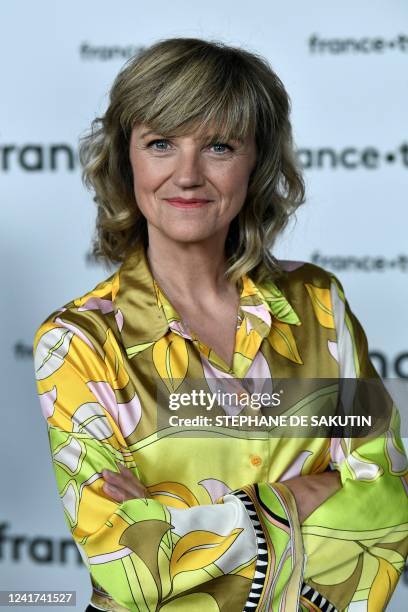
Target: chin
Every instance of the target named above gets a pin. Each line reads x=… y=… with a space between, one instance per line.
x=178 y=233
x=187 y=238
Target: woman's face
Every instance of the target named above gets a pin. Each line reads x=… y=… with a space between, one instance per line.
x=189 y=188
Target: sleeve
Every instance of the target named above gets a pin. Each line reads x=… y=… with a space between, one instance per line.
x=240 y=552
x=356 y=542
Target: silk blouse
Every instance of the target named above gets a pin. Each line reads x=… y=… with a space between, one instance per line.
x=220 y=530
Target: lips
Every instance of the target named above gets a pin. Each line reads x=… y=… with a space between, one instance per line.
x=187 y=203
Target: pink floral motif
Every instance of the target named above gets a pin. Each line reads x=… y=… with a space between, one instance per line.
x=259 y=372
x=126 y=416
x=249 y=326
x=213 y=377
x=95 y=303
x=106 y=397
x=333 y=350
x=289 y=265
x=211 y=372
x=259 y=311
x=47 y=401
x=75 y=330
x=119 y=319
x=178 y=328
x=336 y=451
x=295 y=469
x=129 y=416
x=215 y=488
x=257 y=380
x=112 y=556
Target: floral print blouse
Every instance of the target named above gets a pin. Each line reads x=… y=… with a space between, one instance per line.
x=220 y=530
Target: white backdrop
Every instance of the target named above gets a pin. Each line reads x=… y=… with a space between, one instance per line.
x=345 y=67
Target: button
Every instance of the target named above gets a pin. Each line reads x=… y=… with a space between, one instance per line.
x=256 y=460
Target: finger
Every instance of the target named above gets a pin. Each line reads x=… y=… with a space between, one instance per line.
x=129 y=481
x=133 y=487
x=119 y=494
x=115 y=493
x=111 y=476
x=126 y=472
x=123 y=474
x=120 y=477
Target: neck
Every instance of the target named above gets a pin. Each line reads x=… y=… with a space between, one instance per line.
x=195 y=271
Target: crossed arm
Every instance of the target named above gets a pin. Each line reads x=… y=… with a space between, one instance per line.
x=309 y=491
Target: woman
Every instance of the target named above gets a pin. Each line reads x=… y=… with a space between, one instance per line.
x=194 y=175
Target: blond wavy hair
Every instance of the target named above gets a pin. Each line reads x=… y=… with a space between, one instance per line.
x=176 y=86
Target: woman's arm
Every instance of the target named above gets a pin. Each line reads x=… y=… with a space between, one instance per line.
x=356 y=541
x=312 y=491
x=309 y=491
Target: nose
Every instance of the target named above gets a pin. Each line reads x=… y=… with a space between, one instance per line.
x=188 y=171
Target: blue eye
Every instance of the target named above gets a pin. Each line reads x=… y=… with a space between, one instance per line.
x=221 y=147
x=156 y=145
x=162 y=145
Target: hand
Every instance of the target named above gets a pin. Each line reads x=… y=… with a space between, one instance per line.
x=124 y=485
x=312 y=490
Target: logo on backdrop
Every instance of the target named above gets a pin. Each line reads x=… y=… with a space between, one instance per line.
x=38 y=157
x=364 y=45
x=351 y=157
x=89 y=52
x=361 y=263
x=40 y=549
x=390 y=367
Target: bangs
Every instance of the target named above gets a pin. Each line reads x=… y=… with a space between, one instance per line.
x=208 y=94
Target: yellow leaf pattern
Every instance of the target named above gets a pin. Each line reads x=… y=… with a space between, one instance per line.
x=170 y=358
x=114 y=361
x=197 y=549
x=282 y=340
x=173 y=494
x=321 y=301
x=383 y=586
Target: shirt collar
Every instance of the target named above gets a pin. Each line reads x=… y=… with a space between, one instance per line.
x=144 y=314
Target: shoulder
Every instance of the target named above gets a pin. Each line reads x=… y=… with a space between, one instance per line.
x=312 y=289
x=88 y=317
x=300 y=272
x=302 y=285
x=301 y=279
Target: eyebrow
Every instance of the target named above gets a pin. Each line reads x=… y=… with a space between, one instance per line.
x=206 y=137
x=219 y=137
x=148 y=133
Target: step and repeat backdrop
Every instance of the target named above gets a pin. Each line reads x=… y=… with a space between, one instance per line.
x=345 y=67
